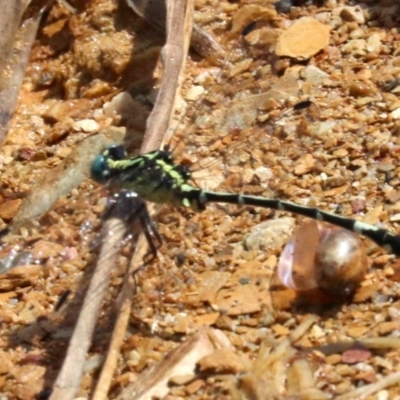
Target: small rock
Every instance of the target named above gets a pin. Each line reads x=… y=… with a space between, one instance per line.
x=194 y=92
x=5 y=363
x=30 y=380
x=280 y=330
x=86 y=125
x=194 y=386
x=20 y=276
x=181 y=379
x=386 y=328
x=393 y=196
x=26 y=153
x=356 y=47
x=264 y=174
x=395 y=105
x=355 y=355
x=362 y=89
x=364 y=74
x=249 y=298
x=269 y=234
x=357 y=34
x=57 y=111
x=340 y=153
x=119 y=104
x=45 y=249
x=335 y=22
x=223 y=361
x=314 y=75
x=133 y=358
x=395 y=113
x=97 y=89
x=317 y=332
x=28 y=373
x=395 y=218
x=206 y=319
x=351 y=14
x=382 y=394
x=93 y=363
x=224 y=322
x=63 y=152
x=9 y=208
x=374 y=43
x=209 y=283
x=305 y=38
x=304 y=165
x=182 y=323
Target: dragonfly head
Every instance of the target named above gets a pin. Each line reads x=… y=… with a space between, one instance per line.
x=102 y=164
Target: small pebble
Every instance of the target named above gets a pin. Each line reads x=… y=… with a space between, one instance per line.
x=351 y=14
x=86 y=125
x=356 y=47
x=194 y=92
x=395 y=113
x=314 y=75
x=374 y=44
x=305 y=38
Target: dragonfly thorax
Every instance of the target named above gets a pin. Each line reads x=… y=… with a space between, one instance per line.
x=153 y=176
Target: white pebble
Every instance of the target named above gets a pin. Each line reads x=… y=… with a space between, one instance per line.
x=374 y=43
x=119 y=104
x=194 y=93
x=86 y=125
x=357 y=47
x=314 y=75
x=395 y=113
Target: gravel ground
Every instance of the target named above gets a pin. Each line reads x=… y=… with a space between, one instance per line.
x=212 y=301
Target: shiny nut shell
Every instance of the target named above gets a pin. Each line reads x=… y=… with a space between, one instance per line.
x=325 y=257
x=340 y=262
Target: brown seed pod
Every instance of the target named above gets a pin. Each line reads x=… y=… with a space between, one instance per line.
x=322 y=256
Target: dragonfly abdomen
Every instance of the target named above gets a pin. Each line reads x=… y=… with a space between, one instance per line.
x=380 y=236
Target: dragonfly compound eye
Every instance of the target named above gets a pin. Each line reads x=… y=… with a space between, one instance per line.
x=100 y=171
x=115 y=152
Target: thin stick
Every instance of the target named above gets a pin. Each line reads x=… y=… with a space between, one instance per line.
x=19 y=37
x=174 y=56
x=368 y=390
x=69 y=377
x=127 y=293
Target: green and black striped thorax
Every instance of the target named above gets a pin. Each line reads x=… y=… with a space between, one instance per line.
x=153 y=176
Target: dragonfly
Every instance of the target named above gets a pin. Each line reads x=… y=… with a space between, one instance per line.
x=156 y=177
